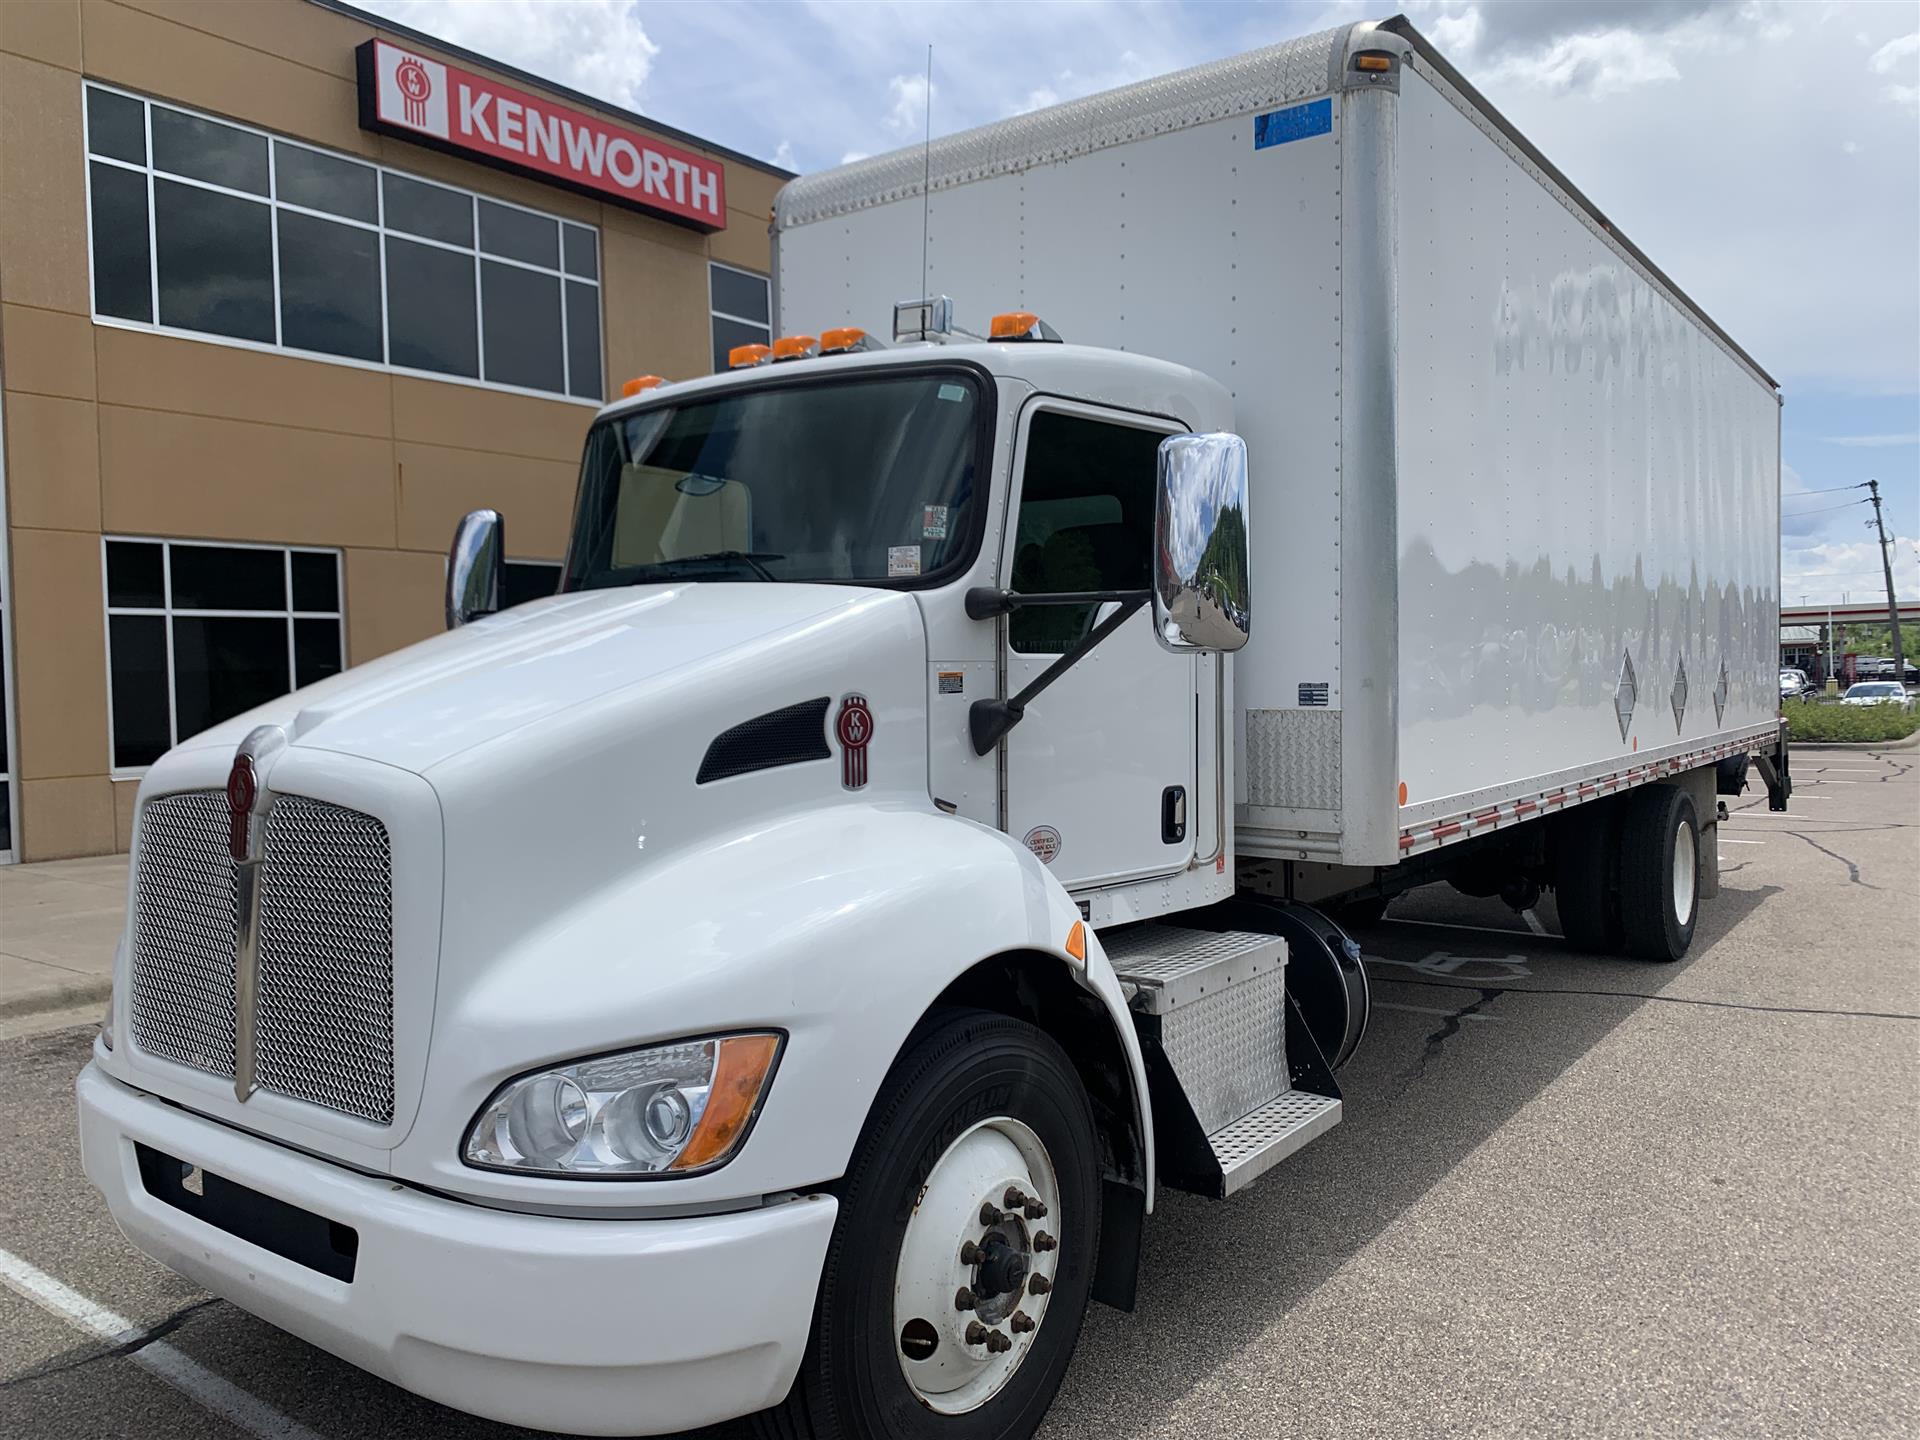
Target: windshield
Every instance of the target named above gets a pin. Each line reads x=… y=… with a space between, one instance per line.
x=1874 y=692
x=870 y=477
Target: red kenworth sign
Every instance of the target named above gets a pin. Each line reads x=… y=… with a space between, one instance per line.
x=404 y=93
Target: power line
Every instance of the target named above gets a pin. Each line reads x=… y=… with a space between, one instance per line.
x=1827 y=490
x=1820 y=509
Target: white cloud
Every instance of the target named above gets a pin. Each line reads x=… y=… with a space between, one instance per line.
x=1903 y=55
x=1835 y=570
x=1872 y=442
x=783 y=155
x=596 y=46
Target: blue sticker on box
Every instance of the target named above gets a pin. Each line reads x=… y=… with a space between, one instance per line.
x=1296 y=122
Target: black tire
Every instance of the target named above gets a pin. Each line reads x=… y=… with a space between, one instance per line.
x=966 y=1066
x=1657 y=821
x=1586 y=878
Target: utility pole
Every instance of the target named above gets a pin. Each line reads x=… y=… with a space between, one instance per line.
x=1886 y=566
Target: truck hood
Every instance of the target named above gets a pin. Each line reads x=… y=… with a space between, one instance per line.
x=423 y=705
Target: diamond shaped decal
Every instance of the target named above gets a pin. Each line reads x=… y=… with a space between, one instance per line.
x=1625 y=694
x=1679 y=696
x=1720 y=695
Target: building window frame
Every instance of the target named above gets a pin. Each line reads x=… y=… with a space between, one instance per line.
x=715 y=313
x=167 y=612
x=378 y=227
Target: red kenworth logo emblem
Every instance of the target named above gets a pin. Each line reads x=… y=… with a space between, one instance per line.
x=855 y=729
x=416 y=85
x=242 y=789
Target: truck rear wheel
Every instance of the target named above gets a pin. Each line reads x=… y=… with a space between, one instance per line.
x=1586 y=877
x=1659 y=872
x=960 y=1266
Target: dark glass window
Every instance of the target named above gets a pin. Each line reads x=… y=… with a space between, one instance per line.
x=329 y=287
x=524 y=580
x=134 y=579
x=207 y=150
x=729 y=333
x=220 y=577
x=316 y=580
x=215 y=261
x=428 y=210
x=316 y=650
x=122 y=265
x=521 y=312
x=325 y=182
x=141 y=731
x=431 y=323
x=583 y=342
x=739 y=294
x=518 y=235
x=223 y=665
x=116 y=126
x=583 y=252
x=1086 y=522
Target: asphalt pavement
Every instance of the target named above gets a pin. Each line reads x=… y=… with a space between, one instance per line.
x=1569 y=1196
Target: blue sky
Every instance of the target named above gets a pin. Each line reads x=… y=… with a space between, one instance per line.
x=1766 y=153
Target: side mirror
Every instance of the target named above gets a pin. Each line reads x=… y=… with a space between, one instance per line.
x=1201 y=560
x=473 y=567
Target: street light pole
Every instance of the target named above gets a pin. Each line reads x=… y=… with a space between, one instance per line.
x=1886 y=566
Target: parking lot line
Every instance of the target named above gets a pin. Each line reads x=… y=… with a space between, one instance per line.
x=1730 y=841
x=157 y=1358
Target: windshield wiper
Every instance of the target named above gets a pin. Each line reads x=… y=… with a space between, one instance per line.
x=750 y=558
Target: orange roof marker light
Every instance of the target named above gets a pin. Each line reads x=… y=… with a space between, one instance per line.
x=846 y=338
x=795 y=347
x=1022 y=325
x=745 y=357
x=641 y=383
x=1378 y=62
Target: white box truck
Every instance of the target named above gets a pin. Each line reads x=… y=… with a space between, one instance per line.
x=776 y=973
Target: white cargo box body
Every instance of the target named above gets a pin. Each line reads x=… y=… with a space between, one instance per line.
x=1514 y=498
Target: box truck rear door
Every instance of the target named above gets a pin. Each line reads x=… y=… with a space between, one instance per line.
x=1101 y=772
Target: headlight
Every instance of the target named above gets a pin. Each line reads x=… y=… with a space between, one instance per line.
x=665 y=1109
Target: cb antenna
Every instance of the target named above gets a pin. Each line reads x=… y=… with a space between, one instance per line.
x=926 y=176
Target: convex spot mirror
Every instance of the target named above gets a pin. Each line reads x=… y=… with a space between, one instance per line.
x=1201 y=560
x=473 y=567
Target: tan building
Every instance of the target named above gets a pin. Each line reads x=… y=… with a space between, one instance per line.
x=284 y=291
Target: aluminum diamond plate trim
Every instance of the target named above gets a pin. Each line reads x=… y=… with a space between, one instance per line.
x=1239 y=85
x=1229 y=1049
x=1173 y=966
x=185 y=911
x=1293 y=759
x=325 y=1026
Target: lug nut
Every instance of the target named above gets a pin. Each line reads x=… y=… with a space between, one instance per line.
x=1021 y=1322
x=1043 y=1242
x=964 y=1299
x=970 y=1254
x=977 y=1333
x=1014 y=1199
x=989 y=1215
x=997 y=1343
x=1036 y=1209
x=1039 y=1284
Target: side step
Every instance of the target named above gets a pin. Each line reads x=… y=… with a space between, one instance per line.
x=1238 y=1083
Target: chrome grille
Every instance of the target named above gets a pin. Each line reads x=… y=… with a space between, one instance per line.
x=324 y=1031
x=184 y=913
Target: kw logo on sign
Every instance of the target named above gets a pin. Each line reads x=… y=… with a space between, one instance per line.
x=416 y=87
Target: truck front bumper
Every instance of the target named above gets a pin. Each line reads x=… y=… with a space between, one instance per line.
x=603 y=1327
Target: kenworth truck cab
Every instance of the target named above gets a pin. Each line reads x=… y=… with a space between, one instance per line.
x=609 y=1011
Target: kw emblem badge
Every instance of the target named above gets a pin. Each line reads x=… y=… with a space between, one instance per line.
x=854 y=727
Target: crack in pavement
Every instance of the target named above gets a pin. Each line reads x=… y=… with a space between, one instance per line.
x=1853 y=870
x=135 y=1342
x=1449 y=1027
x=1488 y=992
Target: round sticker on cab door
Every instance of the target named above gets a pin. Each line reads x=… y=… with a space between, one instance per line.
x=1044 y=842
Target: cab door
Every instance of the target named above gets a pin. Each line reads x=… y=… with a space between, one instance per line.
x=1100 y=773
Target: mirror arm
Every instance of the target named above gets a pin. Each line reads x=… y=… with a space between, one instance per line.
x=988 y=720
x=983 y=602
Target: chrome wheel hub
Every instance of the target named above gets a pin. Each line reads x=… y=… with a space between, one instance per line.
x=977 y=1266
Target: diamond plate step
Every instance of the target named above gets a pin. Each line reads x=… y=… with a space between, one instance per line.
x=1255 y=1143
x=1170 y=966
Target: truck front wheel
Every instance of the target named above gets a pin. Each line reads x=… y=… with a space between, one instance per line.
x=1659 y=872
x=960 y=1266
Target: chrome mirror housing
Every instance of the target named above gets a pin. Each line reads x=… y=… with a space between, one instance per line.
x=473 y=567
x=1201 y=560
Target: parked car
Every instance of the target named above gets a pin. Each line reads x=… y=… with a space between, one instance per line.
x=1794 y=684
x=1876 y=692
